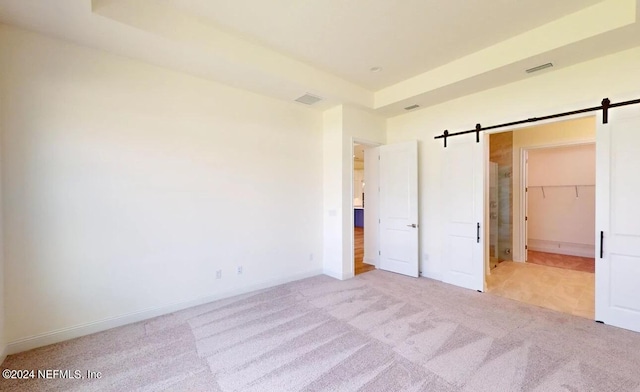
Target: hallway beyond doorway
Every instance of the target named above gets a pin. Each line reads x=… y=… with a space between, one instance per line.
x=358 y=252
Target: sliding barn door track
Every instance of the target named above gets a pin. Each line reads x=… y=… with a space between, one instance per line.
x=604 y=106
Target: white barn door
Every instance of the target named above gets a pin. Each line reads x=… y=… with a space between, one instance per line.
x=399 y=208
x=618 y=218
x=463 y=206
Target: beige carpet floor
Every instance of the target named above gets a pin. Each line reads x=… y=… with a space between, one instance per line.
x=376 y=332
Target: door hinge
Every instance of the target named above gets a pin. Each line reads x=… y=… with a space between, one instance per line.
x=379 y=221
x=379 y=253
x=526 y=247
x=526 y=218
x=526 y=189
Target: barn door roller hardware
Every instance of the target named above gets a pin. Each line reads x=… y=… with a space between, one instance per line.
x=604 y=106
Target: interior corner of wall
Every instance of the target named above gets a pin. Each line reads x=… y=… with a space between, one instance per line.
x=334 y=110
x=332 y=273
x=347 y=275
x=425 y=273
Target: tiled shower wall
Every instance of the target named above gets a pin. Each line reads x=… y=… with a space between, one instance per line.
x=501 y=152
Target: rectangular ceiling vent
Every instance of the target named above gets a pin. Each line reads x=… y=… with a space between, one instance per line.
x=412 y=107
x=539 y=68
x=308 y=99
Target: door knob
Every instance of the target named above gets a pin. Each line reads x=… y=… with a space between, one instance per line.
x=412 y=225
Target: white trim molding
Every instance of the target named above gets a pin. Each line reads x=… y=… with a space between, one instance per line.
x=562 y=248
x=523 y=246
x=3 y=354
x=77 y=331
x=337 y=275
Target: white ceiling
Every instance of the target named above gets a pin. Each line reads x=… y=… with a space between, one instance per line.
x=431 y=51
x=404 y=37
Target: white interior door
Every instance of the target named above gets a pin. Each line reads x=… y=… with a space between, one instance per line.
x=371 y=205
x=618 y=219
x=399 y=208
x=526 y=206
x=463 y=203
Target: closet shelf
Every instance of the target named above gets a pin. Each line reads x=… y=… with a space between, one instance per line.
x=544 y=196
x=558 y=186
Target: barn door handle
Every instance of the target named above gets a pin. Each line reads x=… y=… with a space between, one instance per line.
x=601 y=243
x=478 y=232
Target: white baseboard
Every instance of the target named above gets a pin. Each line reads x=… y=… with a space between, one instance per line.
x=439 y=277
x=562 y=248
x=77 y=331
x=332 y=273
x=371 y=261
x=3 y=355
x=337 y=275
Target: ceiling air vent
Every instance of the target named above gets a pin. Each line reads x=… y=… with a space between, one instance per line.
x=412 y=107
x=308 y=99
x=539 y=68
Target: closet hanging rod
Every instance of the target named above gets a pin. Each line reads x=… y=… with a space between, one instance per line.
x=544 y=195
x=558 y=186
x=605 y=106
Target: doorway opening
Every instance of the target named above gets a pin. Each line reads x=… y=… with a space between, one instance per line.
x=360 y=264
x=541 y=210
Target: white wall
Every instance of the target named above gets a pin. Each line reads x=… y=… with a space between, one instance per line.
x=342 y=126
x=562 y=165
x=3 y=340
x=127 y=186
x=570 y=88
x=332 y=191
x=559 y=221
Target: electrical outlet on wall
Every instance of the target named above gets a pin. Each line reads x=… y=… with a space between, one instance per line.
x=219 y=274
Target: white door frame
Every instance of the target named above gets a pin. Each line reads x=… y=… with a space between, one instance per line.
x=351 y=261
x=522 y=213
